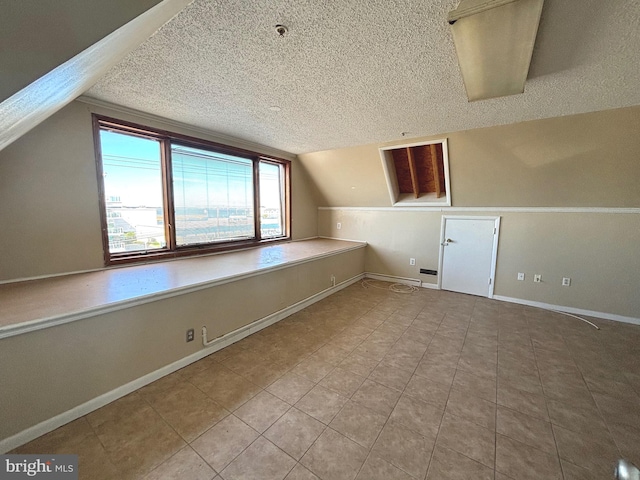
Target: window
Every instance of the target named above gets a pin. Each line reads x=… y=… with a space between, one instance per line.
x=417 y=174
x=167 y=195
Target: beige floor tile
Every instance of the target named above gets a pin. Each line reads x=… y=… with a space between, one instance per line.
x=331 y=354
x=312 y=369
x=295 y=432
x=578 y=418
x=428 y=391
x=264 y=374
x=436 y=372
x=574 y=472
x=224 y=442
x=262 y=411
x=627 y=438
x=419 y=416
x=79 y=439
x=166 y=383
x=475 y=409
x=261 y=460
x=521 y=462
x=613 y=388
x=321 y=404
x=473 y=385
x=449 y=465
x=529 y=383
x=529 y=430
x=529 y=403
x=615 y=410
x=62 y=440
x=342 y=381
x=186 y=464
x=359 y=423
x=134 y=436
x=407 y=450
x=189 y=411
x=594 y=423
x=372 y=349
x=377 y=397
x=301 y=473
x=469 y=439
x=359 y=365
x=418 y=335
x=586 y=452
x=377 y=469
x=229 y=389
x=290 y=387
x=401 y=359
x=334 y=457
x=391 y=377
x=502 y=476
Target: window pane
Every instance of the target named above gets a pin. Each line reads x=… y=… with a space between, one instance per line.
x=213 y=196
x=131 y=168
x=271 y=200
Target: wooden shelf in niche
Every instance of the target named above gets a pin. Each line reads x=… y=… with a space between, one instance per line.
x=417 y=174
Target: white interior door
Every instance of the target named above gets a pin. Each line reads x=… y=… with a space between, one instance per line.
x=468 y=254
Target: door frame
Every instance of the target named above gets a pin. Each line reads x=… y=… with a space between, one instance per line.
x=494 y=252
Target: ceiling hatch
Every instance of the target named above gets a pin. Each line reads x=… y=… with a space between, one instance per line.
x=417 y=174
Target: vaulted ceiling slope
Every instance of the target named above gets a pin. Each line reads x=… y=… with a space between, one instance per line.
x=363 y=71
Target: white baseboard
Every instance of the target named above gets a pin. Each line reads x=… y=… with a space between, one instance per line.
x=61 y=419
x=575 y=311
x=392 y=278
x=404 y=280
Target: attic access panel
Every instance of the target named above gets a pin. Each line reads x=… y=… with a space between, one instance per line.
x=417 y=174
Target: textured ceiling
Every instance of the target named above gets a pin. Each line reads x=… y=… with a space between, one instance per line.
x=363 y=71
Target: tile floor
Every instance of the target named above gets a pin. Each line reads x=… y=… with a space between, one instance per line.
x=371 y=384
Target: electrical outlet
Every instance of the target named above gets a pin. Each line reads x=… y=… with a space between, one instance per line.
x=520 y=276
x=566 y=282
x=412 y=261
x=537 y=278
x=333 y=280
x=338 y=225
x=190 y=335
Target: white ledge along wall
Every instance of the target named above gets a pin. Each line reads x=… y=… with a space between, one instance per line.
x=566 y=189
x=51 y=225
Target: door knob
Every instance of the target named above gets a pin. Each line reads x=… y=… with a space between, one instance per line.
x=447 y=242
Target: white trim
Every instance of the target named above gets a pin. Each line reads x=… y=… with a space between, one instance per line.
x=51 y=424
x=343 y=239
x=41 y=323
x=218 y=137
x=494 y=250
x=397 y=200
x=623 y=210
x=392 y=278
x=53 y=275
x=578 y=311
x=433 y=286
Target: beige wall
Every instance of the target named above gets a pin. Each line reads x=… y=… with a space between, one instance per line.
x=588 y=160
x=598 y=251
x=38 y=36
x=49 y=208
x=47 y=372
x=579 y=161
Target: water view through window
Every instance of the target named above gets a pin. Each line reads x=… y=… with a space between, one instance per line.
x=132 y=173
x=213 y=196
x=168 y=195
